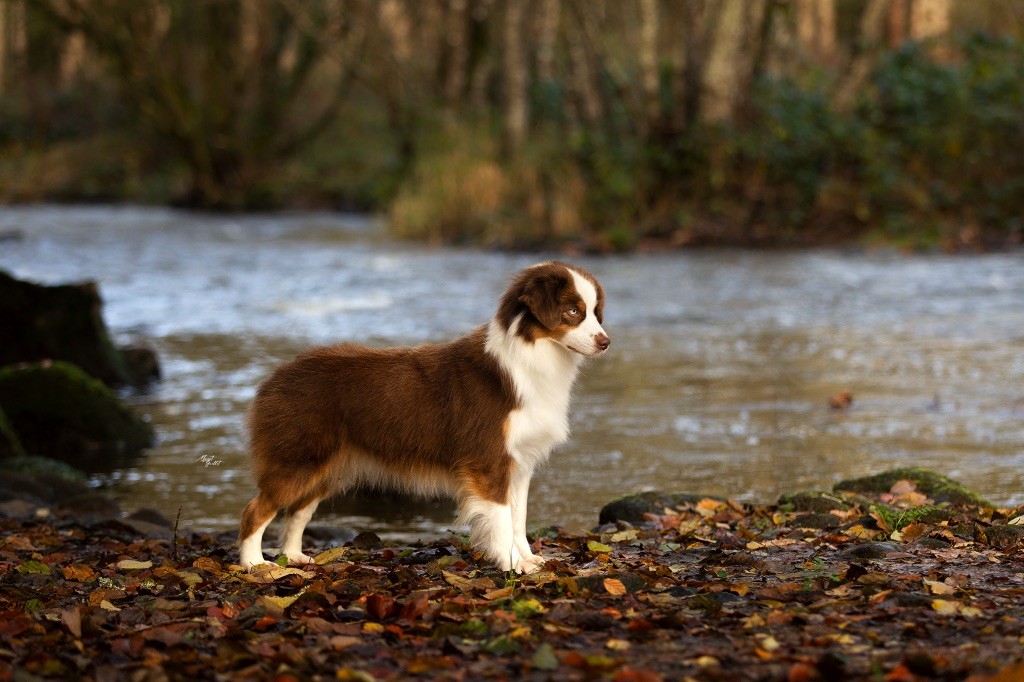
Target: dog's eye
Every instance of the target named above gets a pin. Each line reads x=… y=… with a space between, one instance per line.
x=574 y=311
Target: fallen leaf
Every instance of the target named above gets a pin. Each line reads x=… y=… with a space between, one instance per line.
x=33 y=567
x=500 y=593
x=946 y=607
x=617 y=644
x=614 y=586
x=72 y=620
x=940 y=588
x=330 y=555
x=276 y=605
x=544 y=658
x=78 y=572
x=595 y=546
x=624 y=535
x=133 y=565
x=467 y=584
x=339 y=642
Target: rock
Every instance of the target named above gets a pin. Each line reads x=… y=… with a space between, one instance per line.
x=58 y=323
x=60 y=412
x=933 y=484
x=1005 y=536
x=142 y=364
x=49 y=483
x=367 y=540
x=152 y=516
x=632 y=508
x=329 y=534
x=10 y=446
x=872 y=550
x=816 y=520
x=44 y=465
x=820 y=501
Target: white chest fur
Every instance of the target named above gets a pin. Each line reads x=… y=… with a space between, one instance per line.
x=543 y=374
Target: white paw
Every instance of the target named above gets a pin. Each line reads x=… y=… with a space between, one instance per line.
x=530 y=564
x=299 y=559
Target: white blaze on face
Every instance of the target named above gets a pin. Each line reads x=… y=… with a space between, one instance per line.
x=583 y=339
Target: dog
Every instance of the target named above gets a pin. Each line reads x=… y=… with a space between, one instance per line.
x=471 y=418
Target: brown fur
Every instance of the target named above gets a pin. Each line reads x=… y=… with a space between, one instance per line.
x=428 y=411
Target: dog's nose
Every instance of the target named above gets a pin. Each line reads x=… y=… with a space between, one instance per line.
x=602 y=341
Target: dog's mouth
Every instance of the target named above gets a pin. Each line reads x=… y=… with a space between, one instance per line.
x=592 y=353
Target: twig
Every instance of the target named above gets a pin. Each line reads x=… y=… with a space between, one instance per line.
x=174 y=545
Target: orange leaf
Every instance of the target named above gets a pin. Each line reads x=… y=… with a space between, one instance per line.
x=614 y=586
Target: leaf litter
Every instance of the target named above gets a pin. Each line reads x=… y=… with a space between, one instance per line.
x=705 y=591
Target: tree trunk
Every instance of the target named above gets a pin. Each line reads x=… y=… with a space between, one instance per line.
x=515 y=76
x=457 y=48
x=722 y=74
x=649 y=59
x=816 y=29
x=547 y=39
x=872 y=31
x=929 y=18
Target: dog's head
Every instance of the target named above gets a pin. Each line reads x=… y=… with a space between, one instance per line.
x=557 y=302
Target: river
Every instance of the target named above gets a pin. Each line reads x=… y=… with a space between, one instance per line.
x=717 y=381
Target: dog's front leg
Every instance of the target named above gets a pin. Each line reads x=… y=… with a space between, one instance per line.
x=492 y=532
x=519 y=492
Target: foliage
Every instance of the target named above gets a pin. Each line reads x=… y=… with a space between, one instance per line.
x=631 y=139
x=707 y=590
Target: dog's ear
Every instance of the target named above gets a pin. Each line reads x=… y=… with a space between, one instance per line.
x=541 y=296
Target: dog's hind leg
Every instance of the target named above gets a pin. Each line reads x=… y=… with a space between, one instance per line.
x=255 y=519
x=296 y=517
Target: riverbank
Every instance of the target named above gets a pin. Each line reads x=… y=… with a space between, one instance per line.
x=908 y=577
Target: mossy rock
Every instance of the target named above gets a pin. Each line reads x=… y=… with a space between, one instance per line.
x=10 y=446
x=44 y=465
x=58 y=411
x=933 y=484
x=1005 y=536
x=819 y=501
x=632 y=508
x=62 y=322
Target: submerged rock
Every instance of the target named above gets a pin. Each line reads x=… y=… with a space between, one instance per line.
x=933 y=484
x=58 y=411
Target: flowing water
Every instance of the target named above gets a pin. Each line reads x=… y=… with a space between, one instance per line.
x=717 y=381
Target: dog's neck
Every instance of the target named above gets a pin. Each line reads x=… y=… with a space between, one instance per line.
x=542 y=371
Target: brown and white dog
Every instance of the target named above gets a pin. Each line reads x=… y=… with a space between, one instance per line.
x=470 y=418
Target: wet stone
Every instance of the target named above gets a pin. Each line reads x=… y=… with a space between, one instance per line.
x=872 y=550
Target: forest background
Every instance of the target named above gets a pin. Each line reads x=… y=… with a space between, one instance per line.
x=596 y=124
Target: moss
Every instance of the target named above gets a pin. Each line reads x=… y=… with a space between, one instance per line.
x=898 y=519
x=820 y=501
x=59 y=411
x=933 y=484
x=1005 y=536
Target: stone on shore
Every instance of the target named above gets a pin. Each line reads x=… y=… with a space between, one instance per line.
x=931 y=483
x=58 y=411
x=632 y=508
